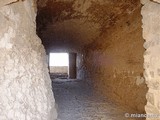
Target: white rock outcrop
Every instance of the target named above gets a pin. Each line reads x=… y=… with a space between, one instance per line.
x=151 y=34
x=25 y=85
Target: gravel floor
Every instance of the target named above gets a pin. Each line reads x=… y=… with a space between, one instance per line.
x=78 y=101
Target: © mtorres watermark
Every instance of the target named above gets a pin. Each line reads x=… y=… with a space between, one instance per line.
x=137 y=115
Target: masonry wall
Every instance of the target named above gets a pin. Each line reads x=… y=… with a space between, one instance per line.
x=151 y=31
x=25 y=86
x=114 y=63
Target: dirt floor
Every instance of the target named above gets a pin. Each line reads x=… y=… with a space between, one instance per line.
x=79 y=101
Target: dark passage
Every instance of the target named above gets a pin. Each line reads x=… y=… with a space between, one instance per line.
x=105 y=45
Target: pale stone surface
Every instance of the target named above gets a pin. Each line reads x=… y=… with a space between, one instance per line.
x=151 y=33
x=25 y=86
x=5 y=2
x=158 y=1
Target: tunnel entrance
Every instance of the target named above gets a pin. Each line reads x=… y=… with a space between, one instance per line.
x=105 y=38
x=59 y=65
x=62 y=65
x=108 y=41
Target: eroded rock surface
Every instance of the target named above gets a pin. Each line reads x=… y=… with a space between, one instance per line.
x=108 y=37
x=25 y=87
x=114 y=63
x=151 y=29
x=79 y=22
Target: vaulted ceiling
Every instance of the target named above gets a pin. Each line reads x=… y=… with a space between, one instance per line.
x=75 y=23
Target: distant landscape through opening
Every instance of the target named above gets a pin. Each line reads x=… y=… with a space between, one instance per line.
x=59 y=65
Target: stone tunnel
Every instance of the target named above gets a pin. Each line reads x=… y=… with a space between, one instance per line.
x=114 y=59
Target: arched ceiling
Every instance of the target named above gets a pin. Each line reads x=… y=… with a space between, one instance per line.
x=75 y=23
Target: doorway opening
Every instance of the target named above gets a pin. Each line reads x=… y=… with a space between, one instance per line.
x=59 y=65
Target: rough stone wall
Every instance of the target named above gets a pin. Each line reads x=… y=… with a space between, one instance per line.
x=151 y=31
x=25 y=87
x=115 y=63
x=74 y=23
x=80 y=66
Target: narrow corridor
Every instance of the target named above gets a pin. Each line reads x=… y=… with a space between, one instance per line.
x=78 y=101
x=114 y=44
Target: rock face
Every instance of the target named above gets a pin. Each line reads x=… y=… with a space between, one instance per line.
x=75 y=23
x=151 y=30
x=114 y=63
x=25 y=86
x=108 y=35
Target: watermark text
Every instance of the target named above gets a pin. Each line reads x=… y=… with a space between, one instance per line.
x=136 y=115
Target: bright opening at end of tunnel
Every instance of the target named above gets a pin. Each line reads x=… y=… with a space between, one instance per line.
x=59 y=59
